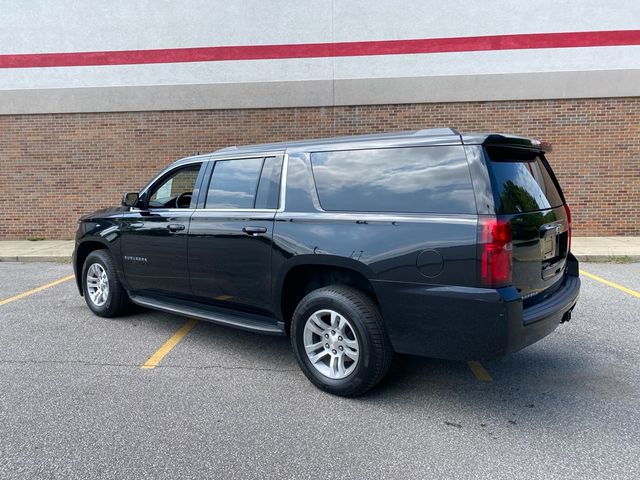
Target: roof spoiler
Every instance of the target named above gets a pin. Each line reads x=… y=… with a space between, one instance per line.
x=506 y=141
x=499 y=140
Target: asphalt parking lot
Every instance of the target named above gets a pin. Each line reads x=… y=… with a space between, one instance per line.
x=75 y=402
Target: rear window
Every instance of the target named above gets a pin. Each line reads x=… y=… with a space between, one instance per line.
x=522 y=182
x=411 y=180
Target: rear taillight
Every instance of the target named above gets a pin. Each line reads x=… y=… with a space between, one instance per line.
x=494 y=243
x=567 y=210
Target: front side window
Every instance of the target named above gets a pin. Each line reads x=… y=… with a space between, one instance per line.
x=409 y=180
x=176 y=190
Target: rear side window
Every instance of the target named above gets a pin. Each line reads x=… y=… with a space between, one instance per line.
x=411 y=180
x=269 y=186
x=245 y=183
x=521 y=181
x=234 y=183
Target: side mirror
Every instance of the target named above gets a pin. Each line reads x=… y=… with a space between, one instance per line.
x=130 y=199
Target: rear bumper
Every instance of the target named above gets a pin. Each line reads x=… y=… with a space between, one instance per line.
x=461 y=323
x=527 y=326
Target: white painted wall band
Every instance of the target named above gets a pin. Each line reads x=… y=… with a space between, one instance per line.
x=95 y=25
x=460 y=88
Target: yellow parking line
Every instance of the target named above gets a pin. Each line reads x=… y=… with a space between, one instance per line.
x=223 y=297
x=157 y=357
x=479 y=371
x=35 y=290
x=611 y=284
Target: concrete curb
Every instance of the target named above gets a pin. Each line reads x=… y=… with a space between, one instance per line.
x=35 y=258
x=608 y=258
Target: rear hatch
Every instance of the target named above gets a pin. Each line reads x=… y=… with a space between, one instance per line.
x=529 y=199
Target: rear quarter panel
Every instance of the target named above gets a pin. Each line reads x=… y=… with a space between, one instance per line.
x=403 y=248
x=418 y=264
x=421 y=248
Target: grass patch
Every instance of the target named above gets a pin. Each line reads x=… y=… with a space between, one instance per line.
x=35 y=239
x=622 y=259
x=64 y=261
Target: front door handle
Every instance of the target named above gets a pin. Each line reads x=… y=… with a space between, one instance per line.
x=253 y=231
x=175 y=227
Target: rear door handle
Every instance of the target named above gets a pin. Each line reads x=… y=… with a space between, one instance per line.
x=253 y=231
x=175 y=227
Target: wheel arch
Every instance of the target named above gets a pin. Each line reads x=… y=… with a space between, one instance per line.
x=305 y=273
x=82 y=252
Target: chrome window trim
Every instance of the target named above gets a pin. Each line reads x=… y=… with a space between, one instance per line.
x=258 y=210
x=160 y=210
x=283 y=183
x=241 y=156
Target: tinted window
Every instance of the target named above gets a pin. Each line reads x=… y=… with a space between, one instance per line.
x=420 y=179
x=522 y=184
x=300 y=187
x=233 y=183
x=269 y=186
x=178 y=187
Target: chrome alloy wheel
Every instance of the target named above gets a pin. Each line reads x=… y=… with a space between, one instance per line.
x=97 y=284
x=331 y=344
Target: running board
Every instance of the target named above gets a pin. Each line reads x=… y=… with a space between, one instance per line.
x=244 y=321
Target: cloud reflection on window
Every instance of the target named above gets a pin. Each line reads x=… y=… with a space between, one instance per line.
x=233 y=183
x=420 y=179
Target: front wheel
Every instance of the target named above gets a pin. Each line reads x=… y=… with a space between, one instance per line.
x=340 y=341
x=102 y=290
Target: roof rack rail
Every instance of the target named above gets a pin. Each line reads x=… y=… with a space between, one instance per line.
x=437 y=131
x=224 y=149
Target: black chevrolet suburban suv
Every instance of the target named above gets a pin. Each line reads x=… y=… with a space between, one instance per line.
x=431 y=243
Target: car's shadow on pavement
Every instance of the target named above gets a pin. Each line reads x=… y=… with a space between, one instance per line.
x=549 y=385
x=540 y=379
x=538 y=386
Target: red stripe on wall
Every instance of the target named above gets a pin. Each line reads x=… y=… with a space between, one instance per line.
x=318 y=50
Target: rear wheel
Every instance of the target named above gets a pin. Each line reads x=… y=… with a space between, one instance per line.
x=340 y=341
x=102 y=290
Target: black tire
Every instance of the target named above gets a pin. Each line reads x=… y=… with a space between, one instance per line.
x=117 y=301
x=375 y=351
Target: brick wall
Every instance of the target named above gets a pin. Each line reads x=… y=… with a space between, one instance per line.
x=56 y=167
